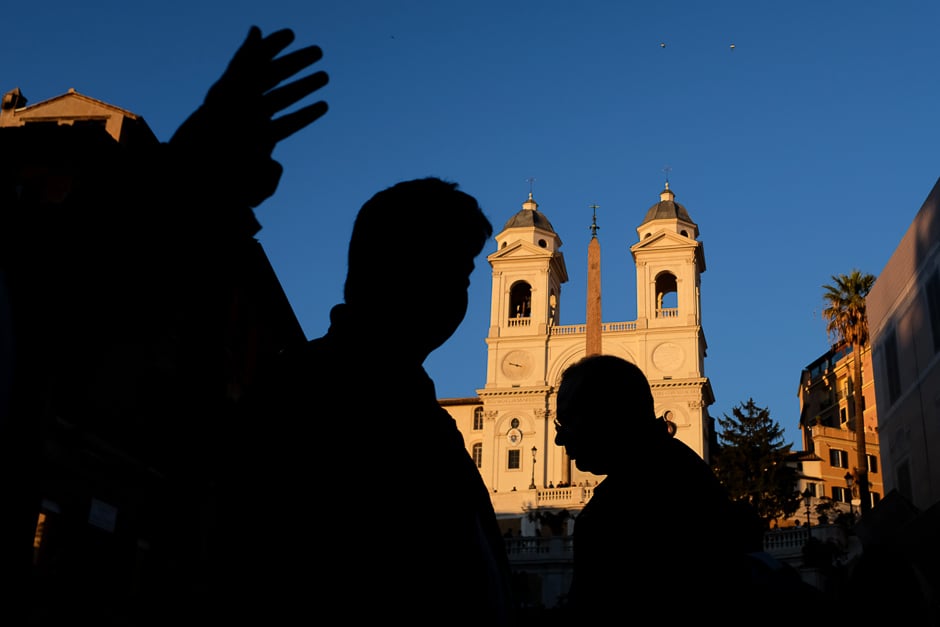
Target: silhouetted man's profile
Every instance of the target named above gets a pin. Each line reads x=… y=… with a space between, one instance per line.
x=659 y=529
x=356 y=405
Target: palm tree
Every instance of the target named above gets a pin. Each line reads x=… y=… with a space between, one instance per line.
x=847 y=322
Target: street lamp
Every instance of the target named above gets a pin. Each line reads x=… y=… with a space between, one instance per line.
x=807 y=497
x=532 y=483
x=849 y=482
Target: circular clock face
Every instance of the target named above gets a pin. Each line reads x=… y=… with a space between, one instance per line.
x=517 y=364
x=668 y=356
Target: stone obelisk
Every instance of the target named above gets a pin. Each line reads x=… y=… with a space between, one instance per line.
x=593 y=333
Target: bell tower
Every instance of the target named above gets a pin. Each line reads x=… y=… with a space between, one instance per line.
x=669 y=262
x=528 y=270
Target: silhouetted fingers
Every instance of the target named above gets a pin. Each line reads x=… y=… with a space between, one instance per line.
x=251 y=63
x=269 y=47
x=289 y=65
x=246 y=50
x=288 y=124
x=283 y=97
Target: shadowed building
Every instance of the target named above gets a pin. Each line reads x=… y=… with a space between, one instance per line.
x=132 y=314
x=904 y=321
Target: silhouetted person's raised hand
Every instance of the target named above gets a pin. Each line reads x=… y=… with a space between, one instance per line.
x=231 y=137
x=134 y=304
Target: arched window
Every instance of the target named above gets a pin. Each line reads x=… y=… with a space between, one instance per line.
x=477 y=452
x=478 y=419
x=670 y=421
x=520 y=304
x=667 y=296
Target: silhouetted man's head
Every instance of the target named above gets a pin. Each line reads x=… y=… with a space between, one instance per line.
x=411 y=254
x=602 y=402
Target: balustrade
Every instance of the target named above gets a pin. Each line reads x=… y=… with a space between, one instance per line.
x=580 y=329
x=538 y=548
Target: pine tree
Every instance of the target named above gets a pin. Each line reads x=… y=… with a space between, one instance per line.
x=751 y=462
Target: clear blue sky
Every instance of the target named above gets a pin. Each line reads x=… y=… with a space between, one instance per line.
x=803 y=152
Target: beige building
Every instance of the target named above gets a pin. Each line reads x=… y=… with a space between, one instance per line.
x=827 y=423
x=74 y=109
x=508 y=427
x=904 y=321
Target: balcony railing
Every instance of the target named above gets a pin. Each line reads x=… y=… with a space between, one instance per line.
x=784 y=544
x=540 y=549
x=787 y=544
x=561 y=497
x=606 y=327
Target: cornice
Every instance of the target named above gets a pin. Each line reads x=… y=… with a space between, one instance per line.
x=680 y=383
x=505 y=393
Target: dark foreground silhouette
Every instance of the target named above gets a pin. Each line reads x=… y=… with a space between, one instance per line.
x=660 y=535
x=134 y=306
x=337 y=417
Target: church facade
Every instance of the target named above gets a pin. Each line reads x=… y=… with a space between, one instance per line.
x=508 y=427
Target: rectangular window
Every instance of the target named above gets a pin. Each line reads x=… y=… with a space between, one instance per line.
x=838 y=458
x=514 y=460
x=933 y=307
x=875 y=498
x=903 y=478
x=841 y=494
x=891 y=366
x=872 y=464
x=478 y=455
x=842 y=417
x=478 y=419
x=40 y=527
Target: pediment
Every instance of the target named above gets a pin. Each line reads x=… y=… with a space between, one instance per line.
x=669 y=241
x=665 y=239
x=73 y=105
x=520 y=249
